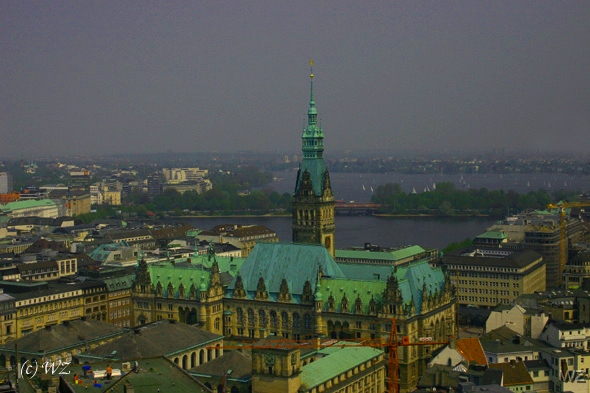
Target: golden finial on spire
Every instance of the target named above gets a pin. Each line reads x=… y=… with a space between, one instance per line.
x=311 y=68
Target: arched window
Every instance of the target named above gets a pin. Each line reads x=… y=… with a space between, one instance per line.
x=285 y=320
x=217 y=323
x=296 y=320
x=307 y=321
x=262 y=318
x=240 y=315
x=250 y=315
x=273 y=318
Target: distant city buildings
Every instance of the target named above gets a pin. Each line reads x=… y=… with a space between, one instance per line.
x=540 y=231
x=6 y=183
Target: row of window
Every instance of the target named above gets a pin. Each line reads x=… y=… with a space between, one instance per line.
x=49 y=307
x=120 y=313
x=285 y=320
x=120 y=302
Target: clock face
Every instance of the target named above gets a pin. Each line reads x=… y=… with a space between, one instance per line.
x=269 y=359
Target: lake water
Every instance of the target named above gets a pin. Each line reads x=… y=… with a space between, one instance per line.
x=392 y=231
x=384 y=231
x=357 y=186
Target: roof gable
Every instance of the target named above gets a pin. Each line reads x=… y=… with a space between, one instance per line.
x=297 y=263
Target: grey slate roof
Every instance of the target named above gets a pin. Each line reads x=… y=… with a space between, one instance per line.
x=60 y=336
x=160 y=338
x=240 y=363
x=297 y=263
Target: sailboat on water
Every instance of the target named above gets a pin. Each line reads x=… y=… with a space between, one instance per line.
x=414 y=190
x=372 y=189
x=528 y=183
x=364 y=189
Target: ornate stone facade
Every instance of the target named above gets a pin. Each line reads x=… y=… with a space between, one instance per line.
x=313 y=201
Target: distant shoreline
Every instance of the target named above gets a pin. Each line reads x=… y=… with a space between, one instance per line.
x=374 y=215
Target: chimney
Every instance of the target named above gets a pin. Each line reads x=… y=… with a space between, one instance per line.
x=513 y=363
x=453 y=343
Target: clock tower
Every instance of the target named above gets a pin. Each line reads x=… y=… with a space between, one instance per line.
x=313 y=201
x=276 y=368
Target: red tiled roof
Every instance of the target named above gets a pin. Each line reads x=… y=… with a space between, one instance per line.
x=472 y=350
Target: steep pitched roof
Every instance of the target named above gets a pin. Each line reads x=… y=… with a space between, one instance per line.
x=365 y=290
x=472 y=350
x=297 y=263
x=514 y=373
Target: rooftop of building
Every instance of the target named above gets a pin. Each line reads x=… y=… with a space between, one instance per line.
x=474 y=256
x=393 y=256
x=238 y=231
x=495 y=235
x=68 y=334
x=335 y=361
x=506 y=340
x=27 y=204
x=239 y=362
x=539 y=364
x=472 y=350
x=515 y=373
x=147 y=341
x=297 y=263
x=152 y=374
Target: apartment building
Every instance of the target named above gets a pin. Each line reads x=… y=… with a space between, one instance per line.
x=488 y=277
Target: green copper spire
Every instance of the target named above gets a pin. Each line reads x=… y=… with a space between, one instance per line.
x=312 y=145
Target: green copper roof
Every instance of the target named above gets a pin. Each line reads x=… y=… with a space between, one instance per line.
x=335 y=362
x=411 y=279
x=230 y=265
x=185 y=276
x=297 y=263
x=119 y=283
x=317 y=171
x=27 y=204
x=312 y=149
x=380 y=256
x=492 y=235
x=353 y=289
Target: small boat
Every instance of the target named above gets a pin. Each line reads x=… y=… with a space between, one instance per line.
x=528 y=183
x=372 y=189
x=364 y=189
x=414 y=190
x=549 y=184
x=434 y=186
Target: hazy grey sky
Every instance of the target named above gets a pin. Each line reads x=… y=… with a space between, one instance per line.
x=149 y=76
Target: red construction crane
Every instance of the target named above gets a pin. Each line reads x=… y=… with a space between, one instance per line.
x=392 y=344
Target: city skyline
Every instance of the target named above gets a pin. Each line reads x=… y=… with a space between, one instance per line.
x=129 y=78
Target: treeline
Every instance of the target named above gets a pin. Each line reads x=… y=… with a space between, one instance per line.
x=233 y=192
x=446 y=200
